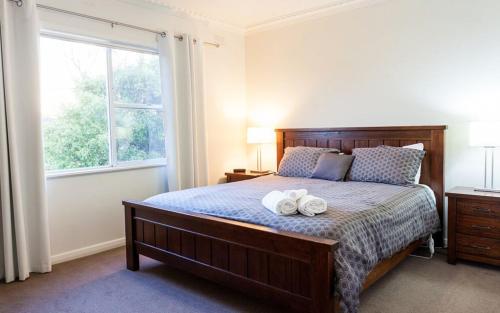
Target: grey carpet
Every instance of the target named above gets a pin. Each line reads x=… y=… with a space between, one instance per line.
x=100 y=283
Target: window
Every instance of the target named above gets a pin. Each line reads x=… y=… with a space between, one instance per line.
x=101 y=105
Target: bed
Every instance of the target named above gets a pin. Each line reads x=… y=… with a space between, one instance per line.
x=264 y=256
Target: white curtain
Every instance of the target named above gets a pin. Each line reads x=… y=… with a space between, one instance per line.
x=24 y=238
x=181 y=64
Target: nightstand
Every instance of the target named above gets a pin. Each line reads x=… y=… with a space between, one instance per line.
x=473 y=226
x=232 y=177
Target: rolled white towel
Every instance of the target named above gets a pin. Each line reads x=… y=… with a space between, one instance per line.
x=310 y=205
x=295 y=194
x=279 y=203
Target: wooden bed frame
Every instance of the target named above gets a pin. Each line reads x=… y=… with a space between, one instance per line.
x=293 y=270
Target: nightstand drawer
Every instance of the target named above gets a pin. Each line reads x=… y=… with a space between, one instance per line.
x=478 y=208
x=478 y=226
x=478 y=246
x=235 y=178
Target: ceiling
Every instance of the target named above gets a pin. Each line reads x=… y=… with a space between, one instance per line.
x=246 y=14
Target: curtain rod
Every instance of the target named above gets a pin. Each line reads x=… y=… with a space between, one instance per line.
x=19 y=3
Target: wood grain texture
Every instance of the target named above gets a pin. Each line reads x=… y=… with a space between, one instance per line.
x=478 y=226
x=386 y=265
x=258 y=268
x=238 y=260
x=161 y=236
x=473 y=226
x=130 y=236
x=149 y=233
x=452 y=222
x=174 y=240
x=234 y=177
x=266 y=263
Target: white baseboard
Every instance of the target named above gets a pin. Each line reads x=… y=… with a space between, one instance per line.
x=86 y=251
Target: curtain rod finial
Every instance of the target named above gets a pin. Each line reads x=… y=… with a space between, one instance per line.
x=19 y=3
x=163 y=34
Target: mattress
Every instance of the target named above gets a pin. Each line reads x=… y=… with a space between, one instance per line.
x=371 y=221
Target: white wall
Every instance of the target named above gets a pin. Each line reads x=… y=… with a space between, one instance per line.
x=396 y=62
x=86 y=211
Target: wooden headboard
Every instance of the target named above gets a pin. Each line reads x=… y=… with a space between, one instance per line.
x=345 y=139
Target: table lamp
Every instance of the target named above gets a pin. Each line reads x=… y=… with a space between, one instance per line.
x=260 y=136
x=486 y=135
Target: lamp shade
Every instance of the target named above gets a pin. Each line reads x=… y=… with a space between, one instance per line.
x=260 y=135
x=485 y=134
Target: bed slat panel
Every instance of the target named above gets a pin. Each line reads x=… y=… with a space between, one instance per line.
x=375 y=143
x=279 y=272
x=407 y=142
x=139 y=228
x=174 y=240
x=188 y=245
x=203 y=250
x=258 y=266
x=361 y=143
x=392 y=143
x=347 y=146
x=336 y=144
x=322 y=143
x=305 y=279
x=238 y=260
x=149 y=234
x=161 y=236
x=311 y=143
x=220 y=254
x=299 y=142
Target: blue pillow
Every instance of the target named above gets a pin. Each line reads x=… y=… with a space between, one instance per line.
x=300 y=161
x=332 y=166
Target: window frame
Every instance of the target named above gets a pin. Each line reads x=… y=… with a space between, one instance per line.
x=114 y=164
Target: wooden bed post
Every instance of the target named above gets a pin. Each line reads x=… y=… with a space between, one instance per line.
x=130 y=235
x=437 y=178
x=322 y=281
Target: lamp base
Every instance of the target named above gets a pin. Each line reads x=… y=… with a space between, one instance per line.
x=260 y=172
x=487 y=190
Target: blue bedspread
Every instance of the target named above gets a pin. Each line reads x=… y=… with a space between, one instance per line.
x=371 y=221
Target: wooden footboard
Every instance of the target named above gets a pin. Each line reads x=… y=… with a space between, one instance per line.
x=290 y=269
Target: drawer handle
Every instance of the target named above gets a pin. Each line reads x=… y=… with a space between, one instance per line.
x=482 y=227
x=480 y=247
x=482 y=210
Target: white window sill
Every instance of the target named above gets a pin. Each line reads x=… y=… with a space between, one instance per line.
x=101 y=170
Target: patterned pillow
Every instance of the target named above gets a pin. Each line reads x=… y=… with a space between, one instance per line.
x=300 y=161
x=384 y=164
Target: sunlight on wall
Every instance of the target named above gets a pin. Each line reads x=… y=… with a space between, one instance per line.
x=267 y=115
x=234 y=111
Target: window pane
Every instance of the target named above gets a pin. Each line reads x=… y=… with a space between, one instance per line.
x=139 y=134
x=74 y=104
x=136 y=78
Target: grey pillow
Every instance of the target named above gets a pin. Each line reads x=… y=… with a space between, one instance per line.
x=332 y=166
x=384 y=164
x=300 y=161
